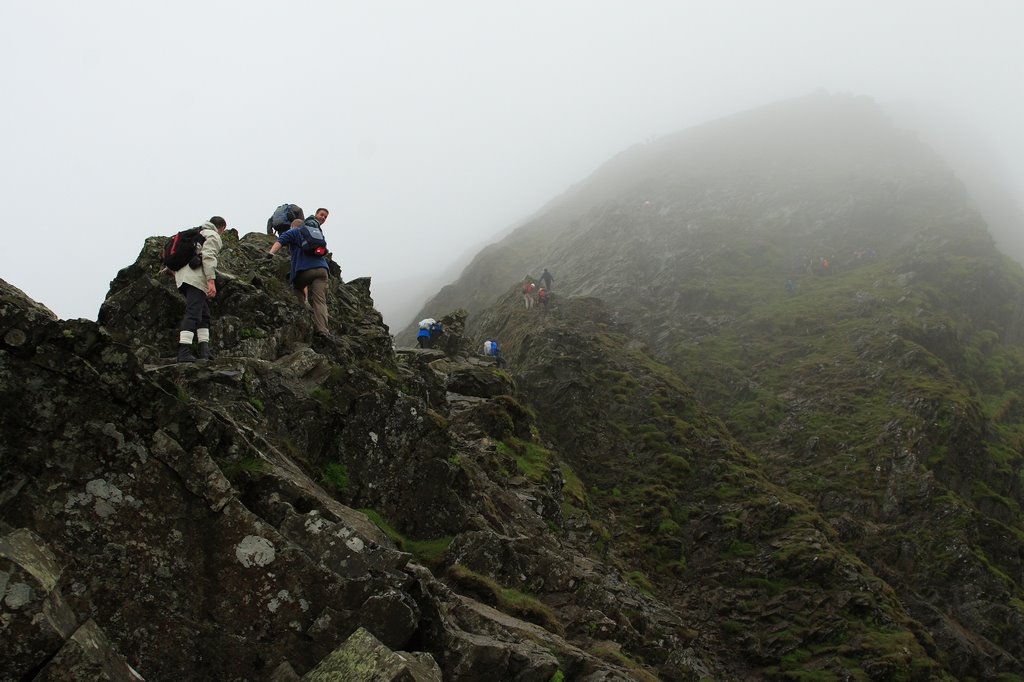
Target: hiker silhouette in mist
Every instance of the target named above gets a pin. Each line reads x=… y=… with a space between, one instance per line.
x=423 y=337
x=528 y=287
x=492 y=350
x=546 y=277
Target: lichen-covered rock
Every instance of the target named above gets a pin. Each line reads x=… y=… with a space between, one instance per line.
x=363 y=657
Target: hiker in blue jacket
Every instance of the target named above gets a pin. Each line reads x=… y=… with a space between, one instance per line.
x=423 y=338
x=308 y=269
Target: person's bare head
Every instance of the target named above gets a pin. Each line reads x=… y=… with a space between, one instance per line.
x=321 y=215
x=219 y=223
x=297 y=223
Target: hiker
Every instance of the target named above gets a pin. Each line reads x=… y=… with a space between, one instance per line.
x=435 y=331
x=542 y=296
x=198 y=284
x=546 y=278
x=528 y=287
x=790 y=287
x=282 y=219
x=423 y=336
x=491 y=350
x=308 y=249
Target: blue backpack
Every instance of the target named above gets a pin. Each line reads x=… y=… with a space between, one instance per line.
x=283 y=217
x=313 y=241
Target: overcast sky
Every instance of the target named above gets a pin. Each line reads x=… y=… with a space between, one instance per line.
x=426 y=127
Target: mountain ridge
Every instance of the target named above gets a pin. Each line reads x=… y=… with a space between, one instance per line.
x=686 y=471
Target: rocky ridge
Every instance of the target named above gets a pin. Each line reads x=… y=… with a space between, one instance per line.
x=161 y=520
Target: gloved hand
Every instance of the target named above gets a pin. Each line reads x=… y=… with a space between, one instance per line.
x=269 y=256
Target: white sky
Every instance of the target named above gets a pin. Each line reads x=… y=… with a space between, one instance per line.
x=426 y=127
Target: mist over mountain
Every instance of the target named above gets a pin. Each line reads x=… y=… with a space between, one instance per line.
x=828 y=287
x=768 y=426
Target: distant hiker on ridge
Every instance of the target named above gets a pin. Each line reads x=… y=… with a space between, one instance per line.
x=197 y=281
x=546 y=278
x=423 y=336
x=436 y=330
x=528 y=287
x=491 y=350
x=308 y=248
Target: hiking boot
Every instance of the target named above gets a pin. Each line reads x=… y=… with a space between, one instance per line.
x=204 y=351
x=185 y=353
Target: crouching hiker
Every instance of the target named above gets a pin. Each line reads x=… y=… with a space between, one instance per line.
x=197 y=281
x=308 y=248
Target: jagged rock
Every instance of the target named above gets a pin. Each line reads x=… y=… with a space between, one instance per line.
x=88 y=655
x=363 y=657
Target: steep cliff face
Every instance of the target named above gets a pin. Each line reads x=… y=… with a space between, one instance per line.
x=881 y=389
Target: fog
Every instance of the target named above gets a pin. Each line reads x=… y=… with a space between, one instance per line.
x=426 y=128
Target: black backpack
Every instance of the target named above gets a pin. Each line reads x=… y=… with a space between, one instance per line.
x=183 y=249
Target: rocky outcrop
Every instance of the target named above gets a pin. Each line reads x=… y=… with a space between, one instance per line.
x=160 y=518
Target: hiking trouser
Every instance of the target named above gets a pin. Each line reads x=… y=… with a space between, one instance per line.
x=316 y=279
x=197 y=309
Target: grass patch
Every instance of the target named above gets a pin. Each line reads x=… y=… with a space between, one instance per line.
x=508 y=600
x=532 y=460
x=430 y=553
x=612 y=652
x=335 y=477
x=249 y=465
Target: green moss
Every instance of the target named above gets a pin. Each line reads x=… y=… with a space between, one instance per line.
x=533 y=461
x=335 y=477
x=430 y=552
x=378 y=369
x=249 y=465
x=640 y=581
x=506 y=599
x=739 y=549
x=572 y=487
x=668 y=527
x=612 y=652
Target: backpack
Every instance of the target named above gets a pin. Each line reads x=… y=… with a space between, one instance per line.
x=313 y=242
x=283 y=217
x=490 y=348
x=183 y=249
